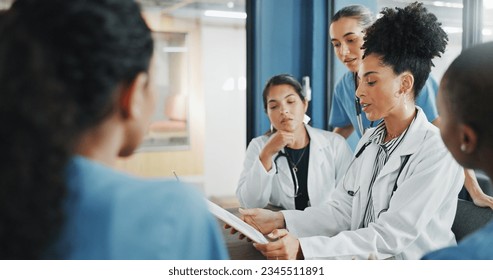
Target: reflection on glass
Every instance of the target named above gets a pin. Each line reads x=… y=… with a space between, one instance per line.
x=487 y=21
x=169 y=126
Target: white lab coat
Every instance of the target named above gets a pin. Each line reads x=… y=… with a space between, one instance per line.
x=329 y=157
x=420 y=213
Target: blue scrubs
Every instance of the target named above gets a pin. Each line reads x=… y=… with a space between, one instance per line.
x=112 y=215
x=477 y=246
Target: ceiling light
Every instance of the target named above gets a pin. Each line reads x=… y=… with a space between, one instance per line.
x=224 y=14
x=447 y=4
x=452 y=30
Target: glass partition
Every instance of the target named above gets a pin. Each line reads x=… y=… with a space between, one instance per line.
x=169 y=128
x=487 y=31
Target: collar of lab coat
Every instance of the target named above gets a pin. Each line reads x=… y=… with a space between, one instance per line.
x=317 y=144
x=411 y=143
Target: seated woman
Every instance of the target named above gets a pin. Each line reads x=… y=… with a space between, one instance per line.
x=77 y=92
x=293 y=165
x=399 y=195
x=466 y=128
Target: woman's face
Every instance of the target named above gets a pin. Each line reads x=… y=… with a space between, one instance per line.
x=379 y=89
x=347 y=38
x=285 y=108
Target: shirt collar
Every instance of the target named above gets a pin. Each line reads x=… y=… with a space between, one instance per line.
x=378 y=136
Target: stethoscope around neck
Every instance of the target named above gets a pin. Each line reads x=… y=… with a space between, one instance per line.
x=291 y=171
x=353 y=192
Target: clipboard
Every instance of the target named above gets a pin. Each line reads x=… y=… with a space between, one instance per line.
x=236 y=223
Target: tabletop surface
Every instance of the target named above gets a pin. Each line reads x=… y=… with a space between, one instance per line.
x=239 y=249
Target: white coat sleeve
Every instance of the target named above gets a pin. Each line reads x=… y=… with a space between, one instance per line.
x=432 y=178
x=327 y=219
x=255 y=184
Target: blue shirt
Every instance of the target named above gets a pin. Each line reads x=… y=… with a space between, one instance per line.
x=343 y=111
x=112 y=215
x=477 y=246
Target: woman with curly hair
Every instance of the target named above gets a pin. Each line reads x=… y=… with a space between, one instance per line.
x=76 y=93
x=347 y=29
x=399 y=195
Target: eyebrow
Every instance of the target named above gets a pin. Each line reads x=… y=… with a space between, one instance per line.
x=274 y=100
x=345 y=35
x=369 y=73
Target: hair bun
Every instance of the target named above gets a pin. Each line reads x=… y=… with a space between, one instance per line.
x=411 y=31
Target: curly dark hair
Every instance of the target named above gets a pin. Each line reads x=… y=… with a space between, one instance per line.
x=60 y=65
x=407 y=39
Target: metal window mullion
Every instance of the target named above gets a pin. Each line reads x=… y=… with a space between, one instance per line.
x=472 y=23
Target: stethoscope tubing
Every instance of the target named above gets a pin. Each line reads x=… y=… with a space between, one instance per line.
x=294 y=178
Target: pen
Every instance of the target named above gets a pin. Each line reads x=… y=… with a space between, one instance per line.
x=176 y=176
x=358 y=115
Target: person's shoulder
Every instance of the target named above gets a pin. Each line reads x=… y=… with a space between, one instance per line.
x=347 y=78
x=432 y=82
x=169 y=190
x=326 y=138
x=328 y=135
x=432 y=133
x=257 y=143
x=448 y=253
x=260 y=140
x=178 y=203
x=475 y=247
x=421 y=124
x=426 y=137
x=346 y=81
x=97 y=180
x=480 y=242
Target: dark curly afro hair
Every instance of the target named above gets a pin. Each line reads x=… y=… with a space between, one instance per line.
x=407 y=39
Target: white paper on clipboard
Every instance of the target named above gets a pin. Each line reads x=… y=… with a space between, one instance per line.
x=236 y=223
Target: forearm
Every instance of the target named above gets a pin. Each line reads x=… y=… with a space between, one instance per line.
x=471 y=183
x=475 y=191
x=266 y=160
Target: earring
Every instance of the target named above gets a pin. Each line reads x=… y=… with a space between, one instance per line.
x=271 y=128
x=306 y=119
x=463 y=147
